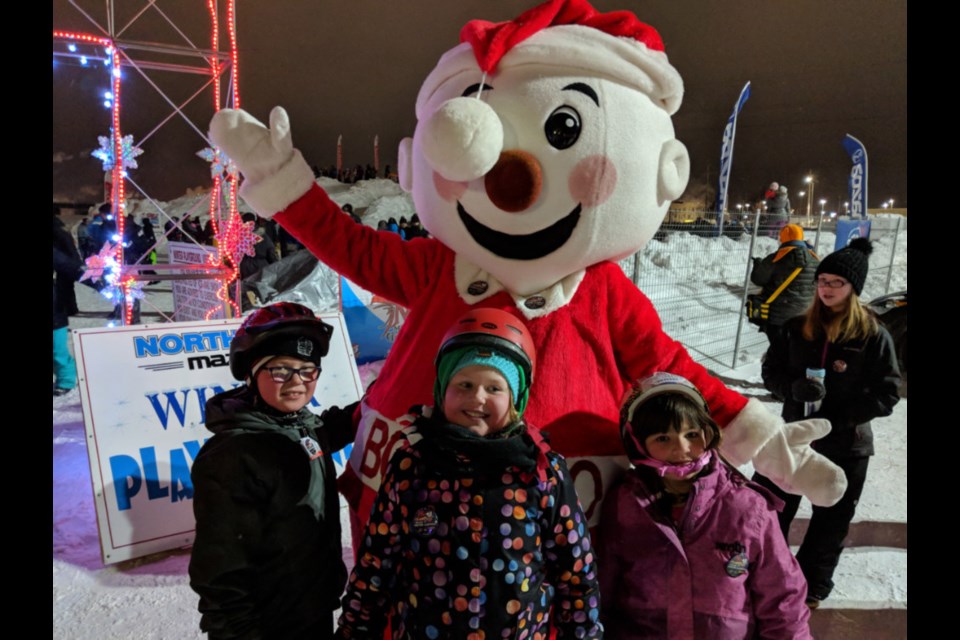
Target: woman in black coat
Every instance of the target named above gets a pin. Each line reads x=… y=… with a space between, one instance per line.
x=862 y=378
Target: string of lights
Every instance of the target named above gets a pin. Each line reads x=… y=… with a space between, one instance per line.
x=233 y=238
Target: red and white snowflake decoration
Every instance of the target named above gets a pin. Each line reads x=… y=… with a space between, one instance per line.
x=102 y=263
x=236 y=239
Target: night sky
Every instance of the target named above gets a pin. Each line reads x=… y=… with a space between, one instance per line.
x=818 y=69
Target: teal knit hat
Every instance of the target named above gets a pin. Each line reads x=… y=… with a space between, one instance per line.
x=458 y=359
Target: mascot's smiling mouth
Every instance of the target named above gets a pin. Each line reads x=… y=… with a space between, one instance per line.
x=523 y=247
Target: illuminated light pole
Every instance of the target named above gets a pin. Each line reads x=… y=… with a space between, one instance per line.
x=809 y=180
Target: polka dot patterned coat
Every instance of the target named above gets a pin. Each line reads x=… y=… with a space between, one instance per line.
x=469 y=538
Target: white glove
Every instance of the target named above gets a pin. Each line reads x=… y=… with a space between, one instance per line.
x=275 y=174
x=781 y=451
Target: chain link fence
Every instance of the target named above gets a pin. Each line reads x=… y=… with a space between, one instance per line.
x=697 y=275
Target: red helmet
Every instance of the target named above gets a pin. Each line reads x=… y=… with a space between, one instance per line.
x=497 y=329
x=267 y=324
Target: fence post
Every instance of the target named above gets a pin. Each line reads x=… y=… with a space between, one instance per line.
x=746 y=284
x=816 y=242
x=636 y=267
x=893 y=253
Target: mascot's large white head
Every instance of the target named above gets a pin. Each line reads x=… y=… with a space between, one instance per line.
x=544 y=145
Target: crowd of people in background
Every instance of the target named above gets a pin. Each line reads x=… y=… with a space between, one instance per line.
x=407 y=230
x=352 y=175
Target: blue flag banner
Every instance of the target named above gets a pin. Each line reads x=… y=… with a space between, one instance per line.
x=849 y=230
x=857 y=183
x=726 y=154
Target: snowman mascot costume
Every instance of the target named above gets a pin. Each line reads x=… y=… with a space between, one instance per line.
x=543 y=152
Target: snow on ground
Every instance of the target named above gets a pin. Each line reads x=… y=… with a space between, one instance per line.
x=150 y=598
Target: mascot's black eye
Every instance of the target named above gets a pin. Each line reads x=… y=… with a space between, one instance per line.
x=562 y=127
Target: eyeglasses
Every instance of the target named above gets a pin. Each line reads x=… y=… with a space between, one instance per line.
x=832 y=284
x=283 y=374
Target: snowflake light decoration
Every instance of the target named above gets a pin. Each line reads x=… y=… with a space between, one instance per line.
x=220 y=163
x=101 y=264
x=128 y=152
x=237 y=238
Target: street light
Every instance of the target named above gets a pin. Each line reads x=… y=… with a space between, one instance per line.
x=809 y=180
x=822 y=202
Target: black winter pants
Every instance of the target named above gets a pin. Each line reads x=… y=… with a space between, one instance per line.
x=820 y=551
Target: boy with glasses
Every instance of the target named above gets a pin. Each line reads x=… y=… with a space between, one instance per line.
x=267 y=560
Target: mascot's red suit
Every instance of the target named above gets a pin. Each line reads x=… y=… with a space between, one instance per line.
x=543 y=151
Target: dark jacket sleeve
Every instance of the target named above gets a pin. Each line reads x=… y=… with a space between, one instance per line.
x=573 y=567
x=762 y=270
x=775 y=370
x=66 y=265
x=228 y=504
x=338 y=424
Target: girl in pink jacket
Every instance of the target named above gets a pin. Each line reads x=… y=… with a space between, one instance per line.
x=690 y=548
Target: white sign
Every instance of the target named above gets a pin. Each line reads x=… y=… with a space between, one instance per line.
x=143 y=389
x=193 y=299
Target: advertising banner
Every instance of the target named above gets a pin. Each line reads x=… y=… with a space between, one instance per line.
x=857 y=183
x=726 y=153
x=847 y=230
x=143 y=390
x=194 y=298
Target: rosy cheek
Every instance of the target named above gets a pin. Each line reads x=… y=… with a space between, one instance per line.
x=593 y=180
x=447 y=189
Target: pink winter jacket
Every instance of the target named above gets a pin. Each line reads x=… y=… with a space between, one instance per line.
x=727 y=573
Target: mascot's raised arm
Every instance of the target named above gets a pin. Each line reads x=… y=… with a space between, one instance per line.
x=543 y=151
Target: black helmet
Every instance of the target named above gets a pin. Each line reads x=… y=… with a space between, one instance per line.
x=267 y=326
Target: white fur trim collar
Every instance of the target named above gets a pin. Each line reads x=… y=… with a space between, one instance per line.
x=474 y=284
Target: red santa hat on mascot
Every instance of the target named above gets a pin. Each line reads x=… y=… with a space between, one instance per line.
x=564 y=33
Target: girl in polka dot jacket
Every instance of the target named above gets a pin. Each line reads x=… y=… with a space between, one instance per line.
x=476 y=531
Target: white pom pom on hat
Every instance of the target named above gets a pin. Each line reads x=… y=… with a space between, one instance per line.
x=462 y=139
